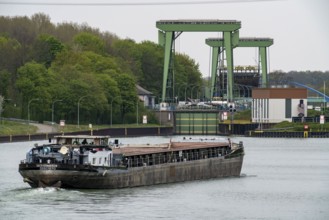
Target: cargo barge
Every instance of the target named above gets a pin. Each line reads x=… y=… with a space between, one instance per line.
x=92 y=162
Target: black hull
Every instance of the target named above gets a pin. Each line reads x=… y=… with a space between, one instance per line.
x=88 y=177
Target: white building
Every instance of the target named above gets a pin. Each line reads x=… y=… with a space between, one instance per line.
x=145 y=96
x=273 y=105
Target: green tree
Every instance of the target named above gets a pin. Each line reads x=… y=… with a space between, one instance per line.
x=187 y=76
x=4 y=82
x=126 y=85
x=45 y=49
x=112 y=93
x=33 y=83
x=152 y=67
x=10 y=50
x=130 y=57
x=75 y=60
x=88 y=75
x=101 y=64
x=89 y=42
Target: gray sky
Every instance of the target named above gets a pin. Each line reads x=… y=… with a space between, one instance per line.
x=300 y=28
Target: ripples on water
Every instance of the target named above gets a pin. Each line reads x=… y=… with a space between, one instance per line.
x=281 y=179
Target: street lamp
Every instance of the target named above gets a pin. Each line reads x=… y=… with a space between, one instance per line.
x=79 y=109
x=52 y=110
x=185 y=91
x=191 y=87
x=1 y=108
x=195 y=86
x=111 y=106
x=28 y=109
x=137 y=110
x=179 y=87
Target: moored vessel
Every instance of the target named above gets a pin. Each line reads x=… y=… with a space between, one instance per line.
x=93 y=162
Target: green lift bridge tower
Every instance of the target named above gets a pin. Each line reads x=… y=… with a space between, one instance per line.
x=169 y=30
x=218 y=43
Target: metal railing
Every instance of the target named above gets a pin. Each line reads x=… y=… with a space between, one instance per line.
x=175 y=157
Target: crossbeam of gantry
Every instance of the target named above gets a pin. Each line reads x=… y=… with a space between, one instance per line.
x=260 y=43
x=170 y=29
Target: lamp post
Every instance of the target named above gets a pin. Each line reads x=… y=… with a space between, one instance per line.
x=195 y=86
x=28 y=109
x=2 y=104
x=79 y=109
x=324 y=105
x=179 y=87
x=191 y=86
x=52 y=112
x=160 y=114
x=185 y=91
x=159 y=101
x=111 y=106
x=137 y=110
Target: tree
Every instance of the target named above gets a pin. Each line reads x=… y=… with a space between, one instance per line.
x=42 y=23
x=112 y=93
x=45 y=49
x=89 y=42
x=126 y=85
x=85 y=74
x=152 y=67
x=33 y=83
x=187 y=76
x=130 y=57
x=68 y=61
x=2 y=99
x=10 y=50
x=4 y=82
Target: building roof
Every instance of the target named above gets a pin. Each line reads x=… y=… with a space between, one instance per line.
x=279 y=93
x=142 y=91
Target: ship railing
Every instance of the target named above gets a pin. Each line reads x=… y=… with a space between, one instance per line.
x=52 y=161
x=176 y=157
x=235 y=153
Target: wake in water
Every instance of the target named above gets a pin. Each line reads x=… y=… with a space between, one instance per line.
x=243 y=175
x=39 y=195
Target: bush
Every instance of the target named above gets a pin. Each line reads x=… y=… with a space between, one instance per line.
x=243 y=115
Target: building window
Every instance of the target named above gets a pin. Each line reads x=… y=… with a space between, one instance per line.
x=288 y=108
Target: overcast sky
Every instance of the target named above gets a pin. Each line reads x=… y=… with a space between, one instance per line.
x=300 y=28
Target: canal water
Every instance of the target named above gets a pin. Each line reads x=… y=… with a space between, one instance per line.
x=281 y=179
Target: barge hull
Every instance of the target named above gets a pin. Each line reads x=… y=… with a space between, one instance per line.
x=217 y=167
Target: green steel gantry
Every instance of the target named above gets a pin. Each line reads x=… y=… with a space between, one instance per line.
x=169 y=30
x=217 y=43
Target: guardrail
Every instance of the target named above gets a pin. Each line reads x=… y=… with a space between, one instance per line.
x=115 y=132
x=288 y=134
x=315 y=119
x=18 y=120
